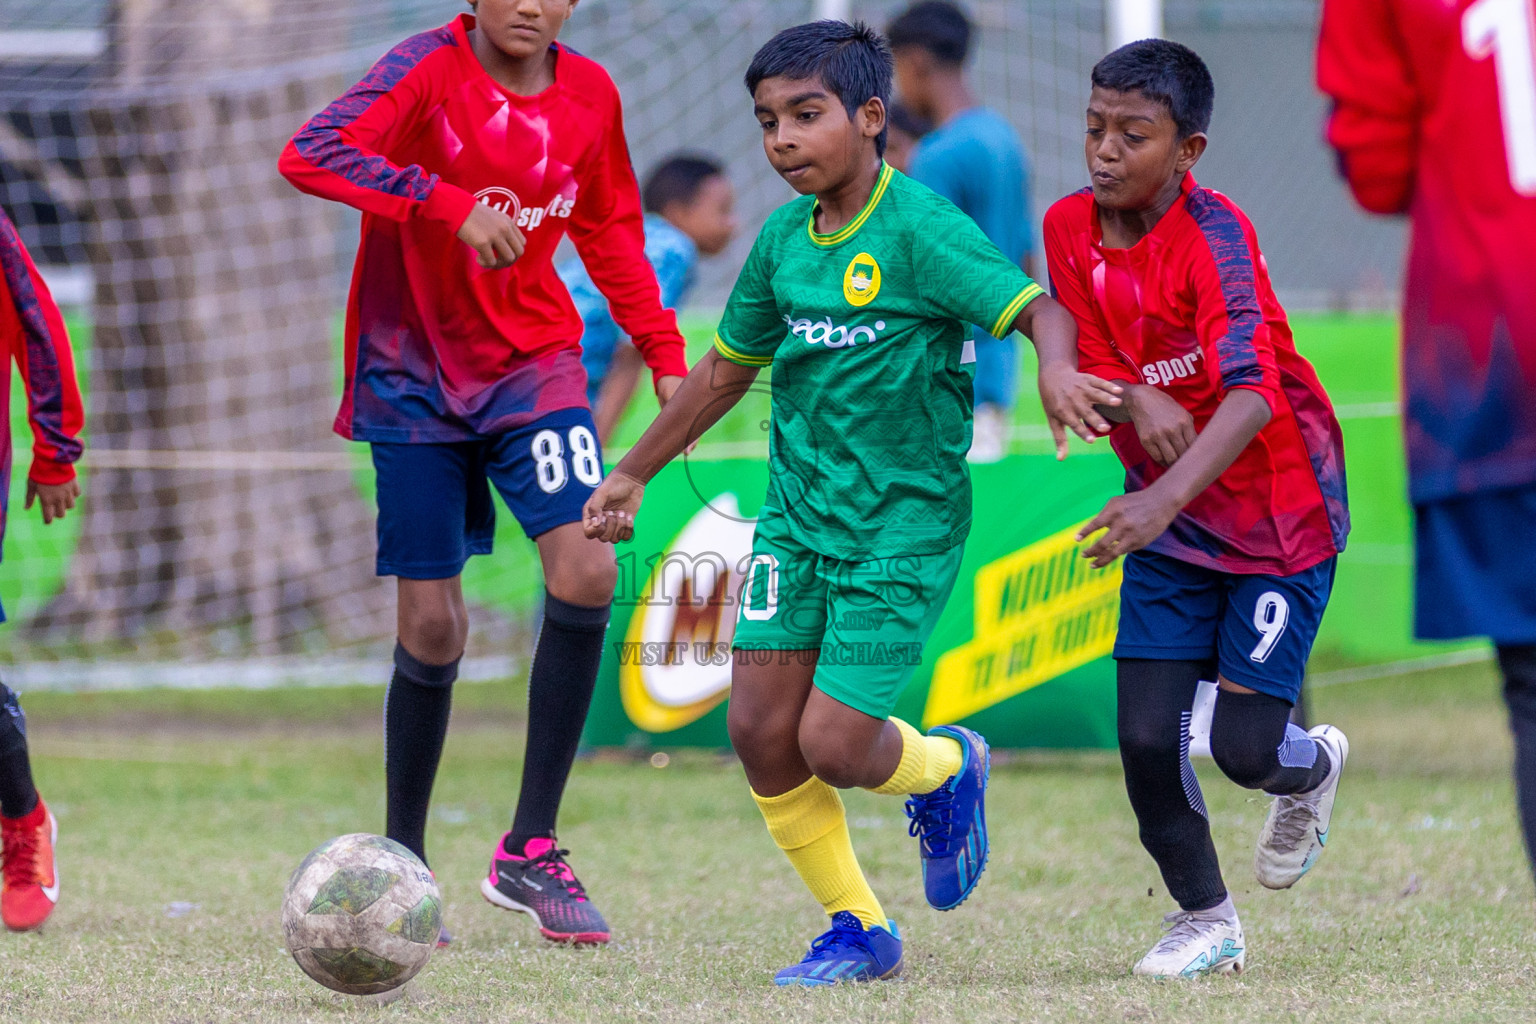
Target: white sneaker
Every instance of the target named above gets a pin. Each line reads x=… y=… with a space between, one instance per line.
x=1196 y=942
x=989 y=434
x=1296 y=830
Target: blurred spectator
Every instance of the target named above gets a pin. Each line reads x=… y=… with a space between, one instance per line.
x=975 y=159
x=689 y=205
x=906 y=129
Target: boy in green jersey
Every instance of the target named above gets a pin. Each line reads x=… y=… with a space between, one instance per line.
x=858 y=295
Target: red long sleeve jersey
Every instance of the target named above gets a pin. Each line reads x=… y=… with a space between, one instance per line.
x=1435 y=115
x=33 y=334
x=1189 y=309
x=437 y=347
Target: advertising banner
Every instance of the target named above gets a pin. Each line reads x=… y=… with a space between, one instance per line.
x=1020 y=651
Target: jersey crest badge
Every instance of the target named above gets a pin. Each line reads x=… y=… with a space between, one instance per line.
x=861 y=281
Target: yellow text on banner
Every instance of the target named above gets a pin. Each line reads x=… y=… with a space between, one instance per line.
x=1040 y=612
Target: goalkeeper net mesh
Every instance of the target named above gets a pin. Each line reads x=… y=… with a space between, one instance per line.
x=225 y=529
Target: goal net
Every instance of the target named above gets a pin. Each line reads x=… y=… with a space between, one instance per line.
x=223 y=523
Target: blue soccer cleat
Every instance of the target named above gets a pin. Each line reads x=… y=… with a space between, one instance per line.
x=951 y=823
x=847 y=952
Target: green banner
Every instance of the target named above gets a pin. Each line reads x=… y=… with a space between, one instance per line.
x=1020 y=651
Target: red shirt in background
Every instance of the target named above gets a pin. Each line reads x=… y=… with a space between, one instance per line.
x=33 y=333
x=1435 y=115
x=439 y=348
x=1189 y=309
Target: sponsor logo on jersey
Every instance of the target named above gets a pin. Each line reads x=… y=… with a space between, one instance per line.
x=861 y=281
x=1166 y=371
x=825 y=332
x=527 y=218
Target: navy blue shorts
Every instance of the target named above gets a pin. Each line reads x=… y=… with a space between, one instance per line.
x=1475 y=575
x=1257 y=629
x=435 y=507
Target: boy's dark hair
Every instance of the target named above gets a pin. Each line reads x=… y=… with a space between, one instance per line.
x=937 y=26
x=853 y=61
x=677 y=179
x=901 y=117
x=1164 y=72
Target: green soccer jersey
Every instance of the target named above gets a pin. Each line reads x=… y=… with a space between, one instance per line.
x=866 y=332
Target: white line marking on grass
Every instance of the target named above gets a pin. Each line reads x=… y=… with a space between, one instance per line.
x=246 y=674
x=1399 y=668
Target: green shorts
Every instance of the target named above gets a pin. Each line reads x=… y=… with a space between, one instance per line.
x=867 y=620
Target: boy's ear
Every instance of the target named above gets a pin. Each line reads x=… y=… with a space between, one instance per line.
x=872 y=117
x=1190 y=151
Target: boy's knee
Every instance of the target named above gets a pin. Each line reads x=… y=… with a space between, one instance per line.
x=1142 y=745
x=436 y=634
x=1244 y=764
x=588 y=581
x=756 y=732
x=834 y=759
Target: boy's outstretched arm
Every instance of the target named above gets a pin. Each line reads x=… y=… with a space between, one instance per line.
x=1071 y=398
x=711 y=389
x=1132 y=521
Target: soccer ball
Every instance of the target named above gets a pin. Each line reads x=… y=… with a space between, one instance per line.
x=362 y=914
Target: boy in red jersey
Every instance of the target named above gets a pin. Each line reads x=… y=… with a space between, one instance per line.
x=1435 y=116
x=33 y=333
x=1234 y=510
x=471 y=150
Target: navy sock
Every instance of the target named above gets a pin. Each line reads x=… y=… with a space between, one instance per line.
x=560 y=685
x=1519 y=667
x=1155 y=703
x=1255 y=744
x=18 y=796
x=416 y=708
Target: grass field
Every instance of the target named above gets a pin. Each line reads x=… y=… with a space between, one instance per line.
x=182 y=814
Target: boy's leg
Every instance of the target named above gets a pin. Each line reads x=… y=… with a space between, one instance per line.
x=804 y=813
x=1255 y=744
x=18 y=796
x=1169 y=612
x=1519 y=667
x=29 y=880
x=1155 y=699
x=1266 y=635
x=545 y=471
x=433 y=627
x=780 y=627
x=880 y=614
x=434 y=513
x=579 y=575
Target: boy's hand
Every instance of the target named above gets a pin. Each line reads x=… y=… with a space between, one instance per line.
x=609 y=515
x=1165 y=427
x=666 y=387
x=1130 y=522
x=494 y=237
x=1069 y=398
x=56 y=499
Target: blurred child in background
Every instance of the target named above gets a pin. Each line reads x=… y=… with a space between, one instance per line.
x=689 y=212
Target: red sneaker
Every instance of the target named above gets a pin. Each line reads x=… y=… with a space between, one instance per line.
x=29 y=873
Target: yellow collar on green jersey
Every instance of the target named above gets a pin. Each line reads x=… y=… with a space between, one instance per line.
x=852 y=227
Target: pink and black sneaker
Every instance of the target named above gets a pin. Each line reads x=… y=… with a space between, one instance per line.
x=542 y=885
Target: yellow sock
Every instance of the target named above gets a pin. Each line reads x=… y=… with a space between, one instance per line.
x=809 y=825
x=927 y=762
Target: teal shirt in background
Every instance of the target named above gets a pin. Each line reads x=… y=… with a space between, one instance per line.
x=976 y=161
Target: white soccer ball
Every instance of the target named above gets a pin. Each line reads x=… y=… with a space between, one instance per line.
x=362 y=914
